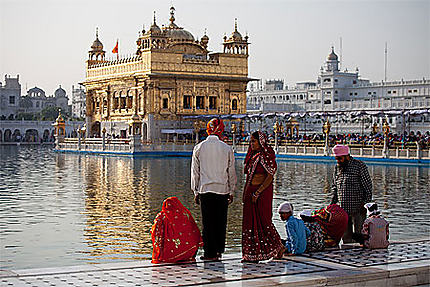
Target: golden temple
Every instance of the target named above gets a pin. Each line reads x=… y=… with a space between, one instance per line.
x=171 y=76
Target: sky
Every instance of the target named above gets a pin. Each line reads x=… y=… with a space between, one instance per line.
x=46 y=42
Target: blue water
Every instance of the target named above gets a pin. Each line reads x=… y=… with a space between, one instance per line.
x=70 y=209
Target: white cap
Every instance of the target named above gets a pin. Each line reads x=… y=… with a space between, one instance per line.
x=285 y=207
x=372 y=208
x=306 y=213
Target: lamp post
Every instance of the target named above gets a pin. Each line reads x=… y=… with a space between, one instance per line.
x=196 y=130
x=78 y=130
x=233 y=131
x=326 y=131
x=103 y=138
x=276 y=128
x=386 y=130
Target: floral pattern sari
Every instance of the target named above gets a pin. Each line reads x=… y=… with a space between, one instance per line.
x=175 y=235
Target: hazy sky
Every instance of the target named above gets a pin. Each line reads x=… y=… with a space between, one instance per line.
x=46 y=42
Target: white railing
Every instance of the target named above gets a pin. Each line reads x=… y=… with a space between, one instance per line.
x=124 y=145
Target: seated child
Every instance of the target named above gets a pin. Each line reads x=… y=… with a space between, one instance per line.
x=175 y=235
x=297 y=232
x=375 y=232
x=314 y=242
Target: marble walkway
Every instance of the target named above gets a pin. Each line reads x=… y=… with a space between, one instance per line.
x=402 y=264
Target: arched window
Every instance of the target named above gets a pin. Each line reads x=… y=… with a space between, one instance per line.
x=165 y=103
x=234 y=105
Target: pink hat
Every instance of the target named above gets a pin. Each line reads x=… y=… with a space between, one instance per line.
x=340 y=149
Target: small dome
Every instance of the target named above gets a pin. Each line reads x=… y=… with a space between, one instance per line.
x=179 y=34
x=36 y=92
x=332 y=56
x=155 y=29
x=60 y=92
x=97 y=45
x=236 y=36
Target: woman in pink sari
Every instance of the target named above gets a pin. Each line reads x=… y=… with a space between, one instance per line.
x=260 y=240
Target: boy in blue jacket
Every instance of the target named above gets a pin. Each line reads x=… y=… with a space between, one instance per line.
x=296 y=230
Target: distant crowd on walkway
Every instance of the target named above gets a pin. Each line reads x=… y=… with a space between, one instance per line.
x=394 y=140
x=351 y=216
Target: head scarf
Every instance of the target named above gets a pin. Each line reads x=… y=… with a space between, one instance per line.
x=215 y=127
x=334 y=221
x=175 y=235
x=266 y=156
x=339 y=150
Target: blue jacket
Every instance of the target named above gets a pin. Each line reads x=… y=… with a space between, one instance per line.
x=296 y=235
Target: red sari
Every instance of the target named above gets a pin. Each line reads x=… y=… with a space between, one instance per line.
x=175 y=235
x=334 y=221
x=260 y=240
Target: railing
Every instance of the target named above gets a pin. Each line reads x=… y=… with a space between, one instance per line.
x=313 y=148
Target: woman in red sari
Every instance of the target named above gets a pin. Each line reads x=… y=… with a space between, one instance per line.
x=175 y=235
x=334 y=221
x=260 y=240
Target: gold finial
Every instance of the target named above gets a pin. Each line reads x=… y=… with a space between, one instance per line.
x=97 y=32
x=154 y=19
x=235 y=24
x=172 y=14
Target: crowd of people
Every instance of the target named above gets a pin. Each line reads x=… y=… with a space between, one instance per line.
x=176 y=236
x=376 y=139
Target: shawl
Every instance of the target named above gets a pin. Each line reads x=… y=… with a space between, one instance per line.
x=175 y=235
x=333 y=220
x=266 y=156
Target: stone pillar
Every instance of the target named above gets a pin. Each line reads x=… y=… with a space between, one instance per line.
x=419 y=150
x=150 y=128
x=135 y=125
x=88 y=125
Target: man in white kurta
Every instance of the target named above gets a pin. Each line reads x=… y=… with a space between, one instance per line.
x=213 y=181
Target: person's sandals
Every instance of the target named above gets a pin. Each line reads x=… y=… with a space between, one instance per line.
x=280 y=253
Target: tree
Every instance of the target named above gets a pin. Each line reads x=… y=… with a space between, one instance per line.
x=49 y=113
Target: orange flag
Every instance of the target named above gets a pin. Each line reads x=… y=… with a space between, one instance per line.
x=115 y=49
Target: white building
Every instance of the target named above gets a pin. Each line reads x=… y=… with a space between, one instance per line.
x=78 y=101
x=36 y=100
x=343 y=91
x=10 y=94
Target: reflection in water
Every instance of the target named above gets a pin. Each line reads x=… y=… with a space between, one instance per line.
x=65 y=209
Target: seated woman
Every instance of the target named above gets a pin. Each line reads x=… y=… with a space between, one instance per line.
x=333 y=221
x=314 y=242
x=175 y=235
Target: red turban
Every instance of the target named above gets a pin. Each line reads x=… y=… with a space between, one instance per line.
x=215 y=126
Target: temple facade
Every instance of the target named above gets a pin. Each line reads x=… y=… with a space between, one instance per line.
x=171 y=76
